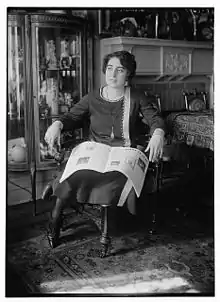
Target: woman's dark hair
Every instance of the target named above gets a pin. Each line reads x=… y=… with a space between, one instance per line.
x=126 y=59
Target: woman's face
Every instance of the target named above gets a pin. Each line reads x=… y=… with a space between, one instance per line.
x=115 y=74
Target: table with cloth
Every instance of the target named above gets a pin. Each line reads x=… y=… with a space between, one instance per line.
x=193 y=128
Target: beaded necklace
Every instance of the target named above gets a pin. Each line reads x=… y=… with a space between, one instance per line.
x=112 y=100
x=113 y=116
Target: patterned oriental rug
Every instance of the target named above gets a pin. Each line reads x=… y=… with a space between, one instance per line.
x=137 y=264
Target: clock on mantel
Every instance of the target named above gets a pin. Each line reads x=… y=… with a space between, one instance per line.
x=164 y=58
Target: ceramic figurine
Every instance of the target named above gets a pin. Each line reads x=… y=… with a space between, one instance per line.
x=205 y=29
x=51 y=59
x=187 y=25
x=150 y=26
x=163 y=26
x=129 y=27
x=176 y=28
x=116 y=28
x=65 y=58
x=65 y=62
x=44 y=109
x=18 y=154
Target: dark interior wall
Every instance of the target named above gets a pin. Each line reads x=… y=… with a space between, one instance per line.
x=170 y=92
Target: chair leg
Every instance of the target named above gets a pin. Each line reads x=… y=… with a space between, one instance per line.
x=152 y=228
x=105 y=239
x=33 y=188
x=158 y=177
x=153 y=225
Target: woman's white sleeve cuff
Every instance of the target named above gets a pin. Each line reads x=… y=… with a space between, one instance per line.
x=159 y=131
x=59 y=124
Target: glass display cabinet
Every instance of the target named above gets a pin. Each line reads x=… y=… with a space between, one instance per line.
x=48 y=72
x=17 y=113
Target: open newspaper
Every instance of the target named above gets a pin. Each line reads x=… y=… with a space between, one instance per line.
x=102 y=158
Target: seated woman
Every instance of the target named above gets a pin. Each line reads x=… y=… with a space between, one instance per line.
x=113 y=111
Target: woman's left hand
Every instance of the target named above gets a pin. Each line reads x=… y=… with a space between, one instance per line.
x=155 y=146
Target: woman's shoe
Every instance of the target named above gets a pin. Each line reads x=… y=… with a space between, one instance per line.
x=48 y=192
x=53 y=233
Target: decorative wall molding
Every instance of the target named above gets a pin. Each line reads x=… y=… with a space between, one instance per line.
x=15 y=20
x=176 y=62
x=165 y=60
x=45 y=18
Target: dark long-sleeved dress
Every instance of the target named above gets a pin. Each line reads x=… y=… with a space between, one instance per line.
x=114 y=124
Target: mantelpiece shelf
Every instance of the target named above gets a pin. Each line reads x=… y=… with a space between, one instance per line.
x=156 y=42
x=160 y=58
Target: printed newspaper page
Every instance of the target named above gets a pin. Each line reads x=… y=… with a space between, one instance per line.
x=87 y=155
x=102 y=158
x=131 y=162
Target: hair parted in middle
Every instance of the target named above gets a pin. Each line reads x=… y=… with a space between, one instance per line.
x=126 y=59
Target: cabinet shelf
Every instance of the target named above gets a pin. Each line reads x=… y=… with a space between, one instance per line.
x=49 y=117
x=55 y=69
x=15 y=118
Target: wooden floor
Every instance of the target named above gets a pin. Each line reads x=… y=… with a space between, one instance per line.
x=19 y=185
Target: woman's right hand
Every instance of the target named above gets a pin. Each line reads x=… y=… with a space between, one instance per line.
x=52 y=135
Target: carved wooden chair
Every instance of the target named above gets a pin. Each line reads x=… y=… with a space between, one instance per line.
x=166 y=157
x=103 y=224
x=195 y=100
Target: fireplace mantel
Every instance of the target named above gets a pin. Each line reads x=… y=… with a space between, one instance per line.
x=155 y=42
x=164 y=58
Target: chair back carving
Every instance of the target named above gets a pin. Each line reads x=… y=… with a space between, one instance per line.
x=155 y=97
x=195 y=100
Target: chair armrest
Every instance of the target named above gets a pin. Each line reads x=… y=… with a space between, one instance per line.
x=142 y=141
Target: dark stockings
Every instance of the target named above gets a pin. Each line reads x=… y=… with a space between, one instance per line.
x=55 y=223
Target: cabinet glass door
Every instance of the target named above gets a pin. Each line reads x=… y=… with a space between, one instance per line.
x=58 y=80
x=16 y=105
